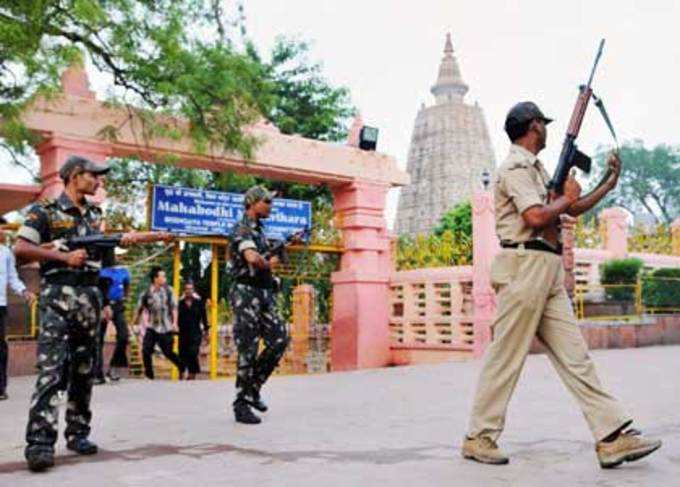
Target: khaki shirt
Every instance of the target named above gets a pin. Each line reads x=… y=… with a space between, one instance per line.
x=521 y=182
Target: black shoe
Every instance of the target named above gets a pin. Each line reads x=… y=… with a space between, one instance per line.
x=258 y=403
x=243 y=414
x=3 y=396
x=39 y=458
x=99 y=381
x=82 y=446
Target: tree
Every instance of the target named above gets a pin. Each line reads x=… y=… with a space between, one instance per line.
x=449 y=244
x=458 y=221
x=648 y=183
x=303 y=102
x=165 y=57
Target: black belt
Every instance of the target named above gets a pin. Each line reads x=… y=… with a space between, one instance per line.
x=68 y=279
x=533 y=245
x=255 y=282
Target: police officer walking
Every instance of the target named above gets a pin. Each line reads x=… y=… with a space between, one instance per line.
x=252 y=299
x=70 y=306
x=528 y=278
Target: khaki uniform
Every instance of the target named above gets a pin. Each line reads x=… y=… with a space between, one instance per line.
x=532 y=302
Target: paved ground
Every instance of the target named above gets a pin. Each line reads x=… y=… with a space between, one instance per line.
x=399 y=426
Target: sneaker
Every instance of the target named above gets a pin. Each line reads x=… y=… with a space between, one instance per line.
x=39 y=458
x=82 y=446
x=628 y=447
x=483 y=449
x=243 y=414
x=113 y=376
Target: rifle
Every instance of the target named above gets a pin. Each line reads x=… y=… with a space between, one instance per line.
x=98 y=245
x=278 y=247
x=570 y=156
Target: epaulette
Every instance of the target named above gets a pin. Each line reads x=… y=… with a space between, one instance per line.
x=518 y=165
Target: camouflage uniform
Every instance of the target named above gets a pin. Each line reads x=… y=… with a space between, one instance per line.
x=70 y=303
x=253 y=301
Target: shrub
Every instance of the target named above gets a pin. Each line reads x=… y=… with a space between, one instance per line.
x=621 y=271
x=661 y=288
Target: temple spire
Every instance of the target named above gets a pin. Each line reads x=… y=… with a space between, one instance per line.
x=449 y=86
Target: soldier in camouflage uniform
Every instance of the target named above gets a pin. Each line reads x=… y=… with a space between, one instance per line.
x=70 y=306
x=252 y=298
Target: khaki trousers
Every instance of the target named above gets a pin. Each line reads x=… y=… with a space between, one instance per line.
x=532 y=301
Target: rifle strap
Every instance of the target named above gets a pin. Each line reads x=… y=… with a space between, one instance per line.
x=603 y=111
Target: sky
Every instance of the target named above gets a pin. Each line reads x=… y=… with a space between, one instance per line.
x=388 y=53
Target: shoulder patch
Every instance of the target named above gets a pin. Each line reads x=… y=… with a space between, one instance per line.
x=518 y=165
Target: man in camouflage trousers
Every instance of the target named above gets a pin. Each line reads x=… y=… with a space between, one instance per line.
x=253 y=298
x=70 y=306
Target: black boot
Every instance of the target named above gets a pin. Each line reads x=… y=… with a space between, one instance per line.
x=39 y=458
x=243 y=414
x=257 y=402
x=82 y=446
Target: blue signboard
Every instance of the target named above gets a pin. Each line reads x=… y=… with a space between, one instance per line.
x=201 y=212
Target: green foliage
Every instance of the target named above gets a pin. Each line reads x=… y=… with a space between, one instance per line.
x=433 y=251
x=450 y=243
x=457 y=220
x=657 y=240
x=303 y=102
x=587 y=234
x=167 y=57
x=661 y=288
x=648 y=183
x=622 y=275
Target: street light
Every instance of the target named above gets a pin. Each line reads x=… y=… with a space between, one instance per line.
x=368 y=138
x=486 y=179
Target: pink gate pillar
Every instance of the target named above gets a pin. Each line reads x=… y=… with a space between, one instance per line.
x=56 y=148
x=615 y=221
x=53 y=153
x=675 y=235
x=360 y=326
x=484 y=247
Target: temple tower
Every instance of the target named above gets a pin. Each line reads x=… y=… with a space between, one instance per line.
x=450 y=149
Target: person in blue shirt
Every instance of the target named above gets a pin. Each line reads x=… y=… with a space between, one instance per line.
x=118 y=279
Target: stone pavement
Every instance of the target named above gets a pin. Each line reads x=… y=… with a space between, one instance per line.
x=397 y=426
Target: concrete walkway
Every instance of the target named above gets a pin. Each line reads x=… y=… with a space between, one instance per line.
x=398 y=426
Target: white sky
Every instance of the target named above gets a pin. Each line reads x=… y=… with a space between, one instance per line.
x=388 y=54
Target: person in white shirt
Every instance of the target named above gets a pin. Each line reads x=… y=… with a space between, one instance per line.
x=8 y=277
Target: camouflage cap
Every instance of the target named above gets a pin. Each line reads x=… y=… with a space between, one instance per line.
x=523 y=112
x=85 y=165
x=257 y=193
